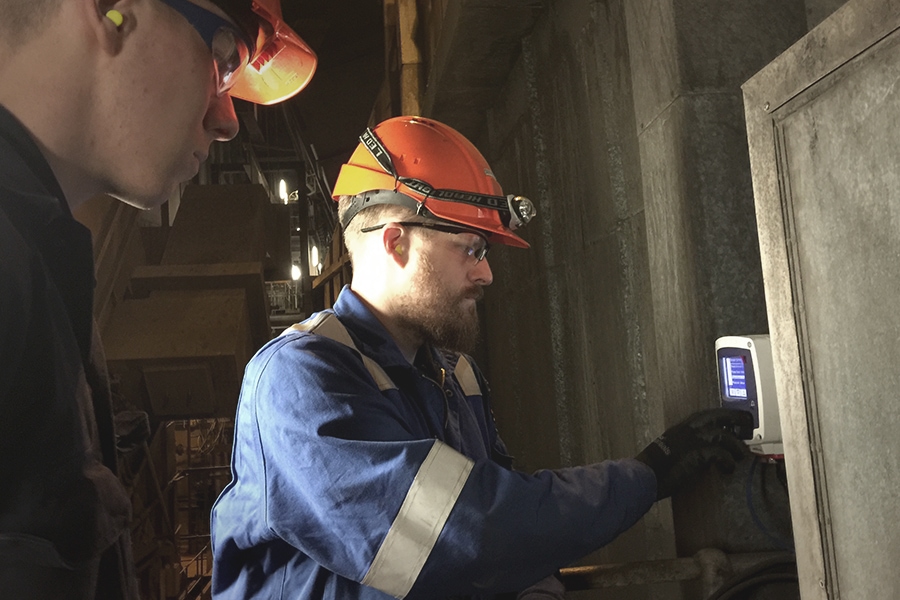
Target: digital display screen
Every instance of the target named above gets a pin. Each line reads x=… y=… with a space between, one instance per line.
x=733 y=371
x=737 y=380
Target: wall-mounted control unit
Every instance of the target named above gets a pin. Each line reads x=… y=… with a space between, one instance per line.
x=747 y=382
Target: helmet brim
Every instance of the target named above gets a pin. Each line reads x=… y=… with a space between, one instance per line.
x=282 y=65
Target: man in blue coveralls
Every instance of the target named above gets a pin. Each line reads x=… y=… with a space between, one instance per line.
x=366 y=463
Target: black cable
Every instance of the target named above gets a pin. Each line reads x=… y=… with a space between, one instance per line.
x=774 y=570
x=755 y=582
x=781 y=474
x=782 y=544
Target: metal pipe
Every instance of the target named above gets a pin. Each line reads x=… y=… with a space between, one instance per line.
x=213 y=468
x=635 y=573
x=711 y=566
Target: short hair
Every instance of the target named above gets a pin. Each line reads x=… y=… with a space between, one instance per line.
x=22 y=18
x=371 y=215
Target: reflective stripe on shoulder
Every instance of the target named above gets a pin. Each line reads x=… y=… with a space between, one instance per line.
x=331 y=327
x=466 y=377
x=381 y=378
x=328 y=325
x=422 y=516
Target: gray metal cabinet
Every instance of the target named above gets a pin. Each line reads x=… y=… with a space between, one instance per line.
x=823 y=124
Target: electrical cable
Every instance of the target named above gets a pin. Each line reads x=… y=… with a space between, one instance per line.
x=781 y=474
x=755 y=582
x=780 y=569
x=782 y=544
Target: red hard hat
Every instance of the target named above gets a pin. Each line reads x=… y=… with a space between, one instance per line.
x=281 y=64
x=435 y=166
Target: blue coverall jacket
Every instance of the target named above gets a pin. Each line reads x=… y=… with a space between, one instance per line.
x=347 y=488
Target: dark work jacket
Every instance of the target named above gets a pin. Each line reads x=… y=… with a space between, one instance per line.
x=63 y=512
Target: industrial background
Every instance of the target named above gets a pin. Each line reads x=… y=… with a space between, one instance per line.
x=626 y=123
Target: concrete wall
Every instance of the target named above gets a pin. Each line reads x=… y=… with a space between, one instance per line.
x=623 y=120
x=688 y=59
x=569 y=375
x=818 y=10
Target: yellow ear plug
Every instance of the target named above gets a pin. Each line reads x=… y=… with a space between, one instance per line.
x=116 y=17
x=399 y=250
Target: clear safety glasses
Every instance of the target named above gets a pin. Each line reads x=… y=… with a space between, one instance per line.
x=229 y=45
x=479 y=251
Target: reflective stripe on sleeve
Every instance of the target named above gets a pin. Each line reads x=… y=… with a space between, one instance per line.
x=422 y=516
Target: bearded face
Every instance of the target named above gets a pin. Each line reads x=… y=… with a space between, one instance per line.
x=440 y=313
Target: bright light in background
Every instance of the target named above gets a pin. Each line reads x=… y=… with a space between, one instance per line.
x=282 y=191
x=315 y=256
x=295 y=272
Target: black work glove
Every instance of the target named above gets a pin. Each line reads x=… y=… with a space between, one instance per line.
x=704 y=438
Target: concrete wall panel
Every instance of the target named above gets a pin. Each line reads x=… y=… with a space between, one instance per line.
x=722 y=43
x=653 y=53
x=818 y=10
x=704 y=273
x=723 y=214
x=563 y=133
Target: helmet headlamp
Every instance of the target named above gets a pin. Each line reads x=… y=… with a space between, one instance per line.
x=521 y=211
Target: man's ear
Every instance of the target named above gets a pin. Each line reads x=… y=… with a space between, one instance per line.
x=394 y=240
x=111 y=21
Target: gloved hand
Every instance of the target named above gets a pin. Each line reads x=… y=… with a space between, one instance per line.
x=706 y=437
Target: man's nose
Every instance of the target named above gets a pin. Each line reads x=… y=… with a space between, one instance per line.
x=481 y=273
x=221 y=119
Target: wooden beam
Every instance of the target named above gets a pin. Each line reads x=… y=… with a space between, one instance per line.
x=410 y=59
x=329 y=271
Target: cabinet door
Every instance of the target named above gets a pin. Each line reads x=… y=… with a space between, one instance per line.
x=823 y=124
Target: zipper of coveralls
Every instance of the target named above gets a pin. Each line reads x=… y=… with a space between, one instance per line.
x=444 y=395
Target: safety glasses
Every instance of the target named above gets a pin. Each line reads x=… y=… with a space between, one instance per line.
x=479 y=251
x=229 y=46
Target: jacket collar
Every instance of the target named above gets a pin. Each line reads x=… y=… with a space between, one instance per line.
x=370 y=336
x=25 y=169
x=31 y=198
x=373 y=340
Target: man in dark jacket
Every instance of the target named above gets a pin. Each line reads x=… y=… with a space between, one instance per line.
x=109 y=97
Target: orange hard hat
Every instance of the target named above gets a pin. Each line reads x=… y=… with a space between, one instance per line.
x=433 y=169
x=280 y=63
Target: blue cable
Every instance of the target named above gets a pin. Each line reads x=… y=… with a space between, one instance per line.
x=756 y=520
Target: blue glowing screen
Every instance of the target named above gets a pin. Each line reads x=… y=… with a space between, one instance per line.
x=733 y=372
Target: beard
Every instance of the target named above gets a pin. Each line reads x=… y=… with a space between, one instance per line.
x=437 y=315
